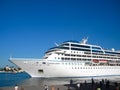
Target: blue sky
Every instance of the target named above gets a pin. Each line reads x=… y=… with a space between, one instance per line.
x=29 y=27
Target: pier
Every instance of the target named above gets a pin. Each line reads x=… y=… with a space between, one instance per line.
x=93 y=85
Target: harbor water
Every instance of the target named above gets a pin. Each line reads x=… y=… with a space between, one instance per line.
x=23 y=79
x=11 y=79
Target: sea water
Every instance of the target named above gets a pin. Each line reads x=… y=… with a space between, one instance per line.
x=23 y=79
x=12 y=79
x=8 y=79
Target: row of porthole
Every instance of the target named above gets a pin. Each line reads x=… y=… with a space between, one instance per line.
x=72 y=63
x=93 y=68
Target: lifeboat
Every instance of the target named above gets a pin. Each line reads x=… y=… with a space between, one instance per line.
x=102 y=61
x=96 y=61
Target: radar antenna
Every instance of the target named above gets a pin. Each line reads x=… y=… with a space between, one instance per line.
x=113 y=49
x=10 y=57
x=56 y=44
x=84 y=41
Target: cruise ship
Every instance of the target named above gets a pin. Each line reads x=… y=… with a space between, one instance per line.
x=73 y=59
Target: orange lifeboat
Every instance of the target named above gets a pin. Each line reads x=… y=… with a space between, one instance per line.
x=96 y=61
x=103 y=61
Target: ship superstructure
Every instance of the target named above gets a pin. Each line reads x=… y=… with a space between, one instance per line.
x=73 y=59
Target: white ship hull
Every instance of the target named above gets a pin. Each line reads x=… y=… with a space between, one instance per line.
x=71 y=69
x=73 y=59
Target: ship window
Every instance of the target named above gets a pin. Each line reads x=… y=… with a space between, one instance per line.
x=80 y=49
x=43 y=62
x=96 y=48
x=100 y=51
x=82 y=46
x=40 y=70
